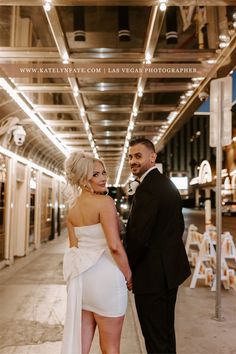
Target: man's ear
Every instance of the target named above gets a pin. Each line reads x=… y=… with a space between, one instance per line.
x=153 y=157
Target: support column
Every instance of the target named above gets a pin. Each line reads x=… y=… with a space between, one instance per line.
x=207 y=207
x=197 y=198
x=212 y=27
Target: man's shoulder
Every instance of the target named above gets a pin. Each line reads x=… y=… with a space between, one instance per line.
x=156 y=181
x=152 y=182
x=152 y=176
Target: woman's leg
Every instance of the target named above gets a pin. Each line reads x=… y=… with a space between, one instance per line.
x=109 y=333
x=88 y=330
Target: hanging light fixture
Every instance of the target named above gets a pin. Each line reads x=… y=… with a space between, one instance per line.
x=79 y=23
x=123 y=23
x=171 y=25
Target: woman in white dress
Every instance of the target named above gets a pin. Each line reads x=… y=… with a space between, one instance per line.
x=95 y=266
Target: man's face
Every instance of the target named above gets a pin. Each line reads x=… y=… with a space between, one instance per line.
x=141 y=159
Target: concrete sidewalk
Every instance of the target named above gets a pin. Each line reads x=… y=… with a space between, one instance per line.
x=33 y=302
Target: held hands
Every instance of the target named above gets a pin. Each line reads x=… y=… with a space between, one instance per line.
x=129 y=283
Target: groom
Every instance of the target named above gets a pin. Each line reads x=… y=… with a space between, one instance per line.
x=155 y=249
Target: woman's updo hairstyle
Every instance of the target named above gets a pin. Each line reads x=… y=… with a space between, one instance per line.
x=79 y=168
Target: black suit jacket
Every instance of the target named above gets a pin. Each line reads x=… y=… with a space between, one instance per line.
x=154 y=243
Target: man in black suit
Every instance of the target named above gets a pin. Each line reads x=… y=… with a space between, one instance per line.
x=155 y=248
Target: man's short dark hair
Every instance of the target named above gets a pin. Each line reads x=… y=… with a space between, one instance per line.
x=143 y=141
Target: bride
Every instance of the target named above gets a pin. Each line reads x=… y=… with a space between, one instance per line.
x=95 y=266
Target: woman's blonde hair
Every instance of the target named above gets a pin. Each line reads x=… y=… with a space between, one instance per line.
x=79 y=168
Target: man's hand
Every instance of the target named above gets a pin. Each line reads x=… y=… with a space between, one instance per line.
x=129 y=284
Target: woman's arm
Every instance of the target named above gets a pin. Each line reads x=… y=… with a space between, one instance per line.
x=108 y=218
x=71 y=233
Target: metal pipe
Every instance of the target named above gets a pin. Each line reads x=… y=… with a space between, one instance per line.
x=79 y=23
x=218 y=309
x=123 y=24
x=171 y=25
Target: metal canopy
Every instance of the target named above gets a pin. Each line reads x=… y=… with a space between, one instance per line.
x=96 y=112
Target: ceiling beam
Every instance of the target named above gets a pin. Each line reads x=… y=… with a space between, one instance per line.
x=117 y=2
x=104 y=134
x=100 y=123
x=220 y=69
x=44 y=88
x=100 y=141
x=110 y=89
x=49 y=54
x=103 y=108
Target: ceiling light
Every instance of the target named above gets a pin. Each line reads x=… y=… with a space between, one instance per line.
x=140 y=92
x=47 y=5
x=163 y=5
x=198 y=78
x=76 y=92
x=82 y=112
x=65 y=59
x=196 y=81
x=223 y=45
x=224 y=36
x=172 y=116
x=131 y=125
x=148 y=59
x=135 y=112
x=189 y=93
x=34 y=117
x=25 y=161
x=195 y=84
x=156 y=139
x=211 y=61
x=102 y=86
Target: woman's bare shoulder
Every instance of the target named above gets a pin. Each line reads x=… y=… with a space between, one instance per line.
x=73 y=209
x=105 y=200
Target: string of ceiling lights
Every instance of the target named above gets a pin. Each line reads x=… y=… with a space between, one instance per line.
x=162 y=5
x=224 y=41
x=55 y=26
x=19 y=98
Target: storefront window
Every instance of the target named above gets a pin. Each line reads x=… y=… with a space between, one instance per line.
x=49 y=205
x=32 y=206
x=2 y=204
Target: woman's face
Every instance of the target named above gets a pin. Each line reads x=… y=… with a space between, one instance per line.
x=99 y=179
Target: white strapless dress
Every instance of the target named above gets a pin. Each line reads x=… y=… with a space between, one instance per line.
x=94 y=283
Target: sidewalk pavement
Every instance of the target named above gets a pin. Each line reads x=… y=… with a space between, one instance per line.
x=33 y=303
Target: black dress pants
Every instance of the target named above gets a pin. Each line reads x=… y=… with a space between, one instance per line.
x=156 y=314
